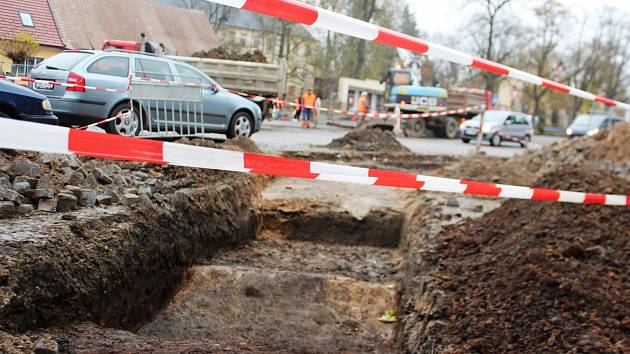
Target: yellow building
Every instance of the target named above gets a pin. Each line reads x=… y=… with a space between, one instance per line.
x=35 y=18
x=246 y=32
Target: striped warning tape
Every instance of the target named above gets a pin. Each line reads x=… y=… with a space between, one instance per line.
x=376 y=115
x=310 y=15
x=52 y=139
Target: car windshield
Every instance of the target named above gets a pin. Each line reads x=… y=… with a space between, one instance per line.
x=588 y=121
x=64 y=61
x=492 y=117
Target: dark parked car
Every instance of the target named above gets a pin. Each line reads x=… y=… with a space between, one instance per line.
x=19 y=102
x=591 y=124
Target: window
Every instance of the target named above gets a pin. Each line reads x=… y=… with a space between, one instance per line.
x=112 y=66
x=522 y=120
x=255 y=42
x=65 y=60
x=27 y=19
x=243 y=39
x=270 y=44
x=153 y=69
x=188 y=74
x=32 y=61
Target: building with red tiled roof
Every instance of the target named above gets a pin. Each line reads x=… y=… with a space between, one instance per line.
x=35 y=18
x=182 y=31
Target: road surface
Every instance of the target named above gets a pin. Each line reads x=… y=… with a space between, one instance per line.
x=277 y=136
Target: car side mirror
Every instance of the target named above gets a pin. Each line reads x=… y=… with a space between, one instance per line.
x=508 y=122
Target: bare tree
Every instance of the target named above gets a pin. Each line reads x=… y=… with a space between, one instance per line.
x=597 y=62
x=494 y=36
x=365 y=10
x=217 y=14
x=542 y=54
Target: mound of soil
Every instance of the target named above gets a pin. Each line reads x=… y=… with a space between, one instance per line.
x=369 y=140
x=607 y=151
x=227 y=54
x=533 y=277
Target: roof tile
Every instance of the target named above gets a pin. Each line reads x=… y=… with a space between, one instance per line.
x=45 y=30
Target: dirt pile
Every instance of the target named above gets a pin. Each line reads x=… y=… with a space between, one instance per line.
x=227 y=54
x=534 y=277
x=369 y=140
x=607 y=151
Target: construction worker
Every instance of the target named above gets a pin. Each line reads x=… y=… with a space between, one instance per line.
x=363 y=107
x=308 y=100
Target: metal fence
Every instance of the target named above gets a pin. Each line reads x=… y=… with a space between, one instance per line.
x=165 y=110
x=15 y=69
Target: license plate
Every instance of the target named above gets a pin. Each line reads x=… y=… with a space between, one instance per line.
x=471 y=131
x=424 y=101
x=44 y=85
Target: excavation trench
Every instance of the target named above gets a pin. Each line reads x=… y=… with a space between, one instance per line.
x=319 y=276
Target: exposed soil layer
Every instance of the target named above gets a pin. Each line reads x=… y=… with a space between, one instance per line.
x=118 y=266
x=320 y=293
x=139 y=257
x=369 y=140
x=326 y=312
x=528 y=277
x=381 y=227
x=269 y=251
x=89 y=338
x=409 y=162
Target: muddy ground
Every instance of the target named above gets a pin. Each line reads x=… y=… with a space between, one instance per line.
x=229 y=263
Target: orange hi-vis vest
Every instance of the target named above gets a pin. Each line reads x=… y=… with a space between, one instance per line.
x=309 y=100
x=363 y=105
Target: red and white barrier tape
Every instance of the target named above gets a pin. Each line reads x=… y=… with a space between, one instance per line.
x=310 y=15
x=52 y=139
x=387 y=115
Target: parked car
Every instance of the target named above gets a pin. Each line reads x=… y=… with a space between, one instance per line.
x=21 y=103
x=223 y=112
x=499 y=126
x=591 y=124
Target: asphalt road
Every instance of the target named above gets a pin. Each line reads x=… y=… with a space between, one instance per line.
x=288 y=136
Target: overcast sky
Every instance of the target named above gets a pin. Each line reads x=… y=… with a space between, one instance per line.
x=446 y=16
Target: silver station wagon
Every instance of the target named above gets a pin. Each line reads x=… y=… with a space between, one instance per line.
x=219 y=111
x=499 y=126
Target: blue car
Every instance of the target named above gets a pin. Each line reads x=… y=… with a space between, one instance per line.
x=21 y=103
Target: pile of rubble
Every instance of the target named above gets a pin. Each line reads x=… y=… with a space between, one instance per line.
x=63 y=183
x=369 y=140
x=52 y=183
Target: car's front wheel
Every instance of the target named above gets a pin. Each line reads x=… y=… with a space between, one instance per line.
x=242 y=125
x=495 y=140
x=128 y=122
x=526 y=140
